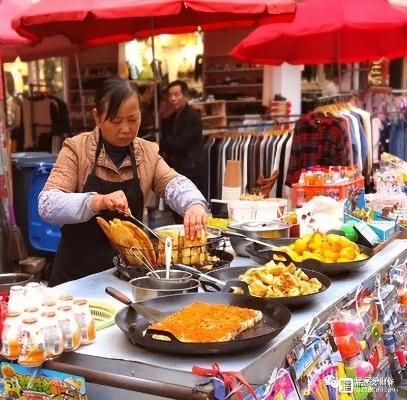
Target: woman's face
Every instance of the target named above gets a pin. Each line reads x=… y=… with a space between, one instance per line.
x=122 y=130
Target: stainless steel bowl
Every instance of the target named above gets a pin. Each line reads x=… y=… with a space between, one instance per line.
x=9 y=280
x=174 y=275
x=254 y=229
x=145 y=288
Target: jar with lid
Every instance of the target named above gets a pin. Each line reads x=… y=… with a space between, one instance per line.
x=16 y=300
x=33 y=294
x=53 y=337
x=69 y=327
x=10 y=336
x=31 y=343
x=85 y=320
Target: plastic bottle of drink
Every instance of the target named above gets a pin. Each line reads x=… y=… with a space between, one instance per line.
x=10 y=336
x=85 y=320
x=69 y=327
x=31 y=343
x=16 y=300
x=53 y=337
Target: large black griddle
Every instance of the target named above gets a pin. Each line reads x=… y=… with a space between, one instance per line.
x=275 y=318
x=263 y=254
x=232 y=275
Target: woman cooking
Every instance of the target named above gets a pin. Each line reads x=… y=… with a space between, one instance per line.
x=107 y=169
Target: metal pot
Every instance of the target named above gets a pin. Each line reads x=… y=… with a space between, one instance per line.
x=9 y=280
x=145 y=288
x=174 y=276
x=273 y=229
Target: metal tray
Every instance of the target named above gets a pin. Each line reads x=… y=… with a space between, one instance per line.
x=231 y=276
x=263 y=254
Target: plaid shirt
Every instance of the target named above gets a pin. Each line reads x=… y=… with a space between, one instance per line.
x=318 y=140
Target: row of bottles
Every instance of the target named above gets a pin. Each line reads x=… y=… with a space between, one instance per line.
x=35 y=334
x=333 y=175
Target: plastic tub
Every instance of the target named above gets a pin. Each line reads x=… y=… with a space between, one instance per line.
x=241 y=209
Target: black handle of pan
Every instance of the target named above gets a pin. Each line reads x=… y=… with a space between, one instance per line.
x=288 y=260
x=233 y=284
x=116 y=294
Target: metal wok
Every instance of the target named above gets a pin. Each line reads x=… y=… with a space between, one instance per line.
x=275 y=318
x=263 y=254
x=231 y=275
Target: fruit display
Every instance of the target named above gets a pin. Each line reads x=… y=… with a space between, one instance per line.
x=326 y=248
x=363 y=214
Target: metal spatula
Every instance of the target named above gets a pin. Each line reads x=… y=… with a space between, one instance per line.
x=151 y=315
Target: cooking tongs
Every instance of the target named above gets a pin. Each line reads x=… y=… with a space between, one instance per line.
x=130 y=215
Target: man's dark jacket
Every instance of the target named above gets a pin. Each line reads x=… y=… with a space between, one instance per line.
x=181 y=143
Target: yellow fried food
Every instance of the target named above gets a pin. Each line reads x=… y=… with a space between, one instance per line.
x=147 y=247
x=278 y=280
x=326 y=248
x=174 y=234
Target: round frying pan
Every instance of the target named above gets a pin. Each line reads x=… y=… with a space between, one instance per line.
x=263 y=254
x=134 y=326
x=232 y=275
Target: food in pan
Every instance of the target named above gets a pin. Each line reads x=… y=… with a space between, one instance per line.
x=278 y=280
x=207 y=323
x=327 y=248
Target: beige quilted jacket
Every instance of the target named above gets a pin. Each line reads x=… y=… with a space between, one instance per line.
x=76 y=159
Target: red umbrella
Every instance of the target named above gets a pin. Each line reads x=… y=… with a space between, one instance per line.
x=95 y=21
x=12 y=45
x=325 y=31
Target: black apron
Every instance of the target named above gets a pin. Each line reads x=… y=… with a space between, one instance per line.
x=84 y=248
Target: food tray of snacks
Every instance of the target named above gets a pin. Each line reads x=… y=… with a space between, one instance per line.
x=289 y=285
x=329 y=253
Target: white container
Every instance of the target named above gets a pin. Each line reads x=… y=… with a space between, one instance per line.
x=69 y=328
x=241 y=209
x=53 y=337
x=231 y=193
x=85 y=320
x=33 y=295
x=31 y=341
x=266 y=210
x=16 y=301
x=10 y=336
x=282 y=203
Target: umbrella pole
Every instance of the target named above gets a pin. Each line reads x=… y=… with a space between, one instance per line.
x=78 y=72
x=155 y=78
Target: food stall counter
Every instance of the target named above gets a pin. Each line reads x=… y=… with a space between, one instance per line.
x=170 y=376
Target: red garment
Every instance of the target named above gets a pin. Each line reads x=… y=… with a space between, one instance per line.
x=317 y=140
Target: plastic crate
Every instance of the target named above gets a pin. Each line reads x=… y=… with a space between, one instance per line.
x=42 y=236
x=300 y=194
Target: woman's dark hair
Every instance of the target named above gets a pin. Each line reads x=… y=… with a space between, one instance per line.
x=113 y=91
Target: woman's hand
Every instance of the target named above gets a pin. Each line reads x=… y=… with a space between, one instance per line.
x=111 y=201
x=195 y=219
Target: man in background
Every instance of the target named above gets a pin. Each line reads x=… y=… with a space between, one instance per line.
x=181 y=143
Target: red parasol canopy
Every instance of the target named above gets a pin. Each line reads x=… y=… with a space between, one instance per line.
x=95 y=21
x=325 y=31
x=12 y=45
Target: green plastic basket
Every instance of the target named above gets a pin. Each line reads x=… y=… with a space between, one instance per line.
x=103 y=313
